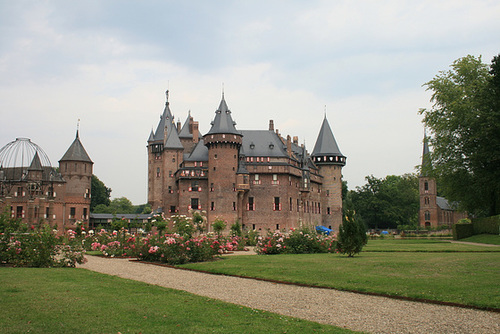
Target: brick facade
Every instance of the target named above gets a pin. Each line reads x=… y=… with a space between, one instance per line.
x=256 y=177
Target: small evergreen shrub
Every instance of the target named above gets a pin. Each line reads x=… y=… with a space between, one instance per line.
x=352 y=235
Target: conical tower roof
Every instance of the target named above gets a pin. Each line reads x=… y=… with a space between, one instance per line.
x=326 y=148
x=36 y=164
x=76 y=152
x=223 y=122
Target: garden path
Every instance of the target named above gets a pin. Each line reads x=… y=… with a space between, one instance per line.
x=371 y=314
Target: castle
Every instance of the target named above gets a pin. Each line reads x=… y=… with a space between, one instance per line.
x=434 y=210
x=256 y=177
x=34 y=192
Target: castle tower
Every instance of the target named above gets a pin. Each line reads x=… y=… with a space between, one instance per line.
x=76 y=169
x=165 y=153
x=428 y=213
x=326 y=155
x=223 y=142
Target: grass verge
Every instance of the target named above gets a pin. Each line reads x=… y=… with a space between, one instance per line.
x=81 y=301
x=484 y=239
x=462 y=278
x=423 y=245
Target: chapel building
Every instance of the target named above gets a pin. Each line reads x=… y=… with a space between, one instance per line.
x=256 y=177
x=434 y=210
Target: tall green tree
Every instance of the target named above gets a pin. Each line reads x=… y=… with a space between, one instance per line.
x=387 y=202
x=100 y=193
x=352 y=235
x=465 y=126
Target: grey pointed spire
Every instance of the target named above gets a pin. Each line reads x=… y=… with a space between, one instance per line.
x=35 y=163
x=223 y=122
x=426 y=157
x=326 y=149
x=76 y=152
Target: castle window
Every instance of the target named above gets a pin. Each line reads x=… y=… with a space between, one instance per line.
x=19 y=192
x=157 y=156
x=234 y=186
x=328 y=210
x=72 y=213
x=215 y=156
x=319 y=208
x=36 y=212
x=194 y=186
x=234 y=206
x=251 y=204
x=170 y=191
x=298 y=205
x=427 y=215
x=170 y=173
x=87 y=193
x=195 y=204
x=84 y=213
x=277 y=226
x=212 y=206
x=256 y=179
x=275 y=179
x=47 y=212
x=211 y=187
x=19 y=212
x=158 y=172
x=173 y=159
x=291 y=204
x=277 y=204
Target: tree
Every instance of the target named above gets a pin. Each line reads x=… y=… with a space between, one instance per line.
x=465 y=125
x=386 y=203
x=100 y=193
x=117 y=205
x=352 y=235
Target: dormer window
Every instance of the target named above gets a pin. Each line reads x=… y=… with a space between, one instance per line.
x=252 y=146
x=271 y=146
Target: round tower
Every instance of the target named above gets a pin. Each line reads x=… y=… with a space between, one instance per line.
x=76 y=169
x=326 y=155
x=223 y=142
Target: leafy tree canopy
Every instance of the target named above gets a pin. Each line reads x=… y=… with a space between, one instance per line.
x=465 y=126
x=100 y=193
x=387 y=202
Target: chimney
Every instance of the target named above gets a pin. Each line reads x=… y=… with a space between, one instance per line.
x=271 y=125
x=289 y=145
x=195 y=132
x=178 y=126
x=295 y=140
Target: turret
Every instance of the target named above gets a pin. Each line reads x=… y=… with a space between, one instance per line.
x=327 y=156
x=428 y=214
x=223 y=142
x=76 y=169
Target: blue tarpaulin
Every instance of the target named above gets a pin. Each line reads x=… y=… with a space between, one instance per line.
x=384 y=232
x=323 y=229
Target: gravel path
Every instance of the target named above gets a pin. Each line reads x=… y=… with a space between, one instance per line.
x=343 y=309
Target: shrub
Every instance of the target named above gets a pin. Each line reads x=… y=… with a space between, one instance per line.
x=463 y=229
x=295 y=242
x=352 y=235
x=219 y=225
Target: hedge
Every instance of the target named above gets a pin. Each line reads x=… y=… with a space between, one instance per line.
x=461 y=230
x=488 y=225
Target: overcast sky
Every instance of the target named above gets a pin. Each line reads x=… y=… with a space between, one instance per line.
x=108 y=63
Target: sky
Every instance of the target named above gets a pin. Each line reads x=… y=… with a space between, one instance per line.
x=107 y=64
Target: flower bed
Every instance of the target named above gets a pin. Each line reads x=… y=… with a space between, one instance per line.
x=295 y=242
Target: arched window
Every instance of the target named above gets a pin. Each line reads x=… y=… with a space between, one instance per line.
x=426 y=185
x=426 y=200
x=427 y=215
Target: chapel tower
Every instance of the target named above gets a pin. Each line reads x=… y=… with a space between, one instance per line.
x=223 y=142
x=428 y=213
x=326 y=155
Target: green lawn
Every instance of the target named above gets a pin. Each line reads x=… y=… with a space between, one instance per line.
x=469 y=278
x=423 y=245
x=81 y=301
x=484 y=239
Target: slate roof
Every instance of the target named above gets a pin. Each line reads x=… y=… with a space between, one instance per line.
x=326 y=143
x=262 y=143
x=167 y=120
x=184 y=133
x=76 y=152
x=444 y=204
x=200 y=152
x=35 y=163
x=223 y=122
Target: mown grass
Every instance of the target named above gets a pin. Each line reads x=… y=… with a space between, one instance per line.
x=423 y=245
x=81 y=301
x=484 y=239
x=421 y=269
